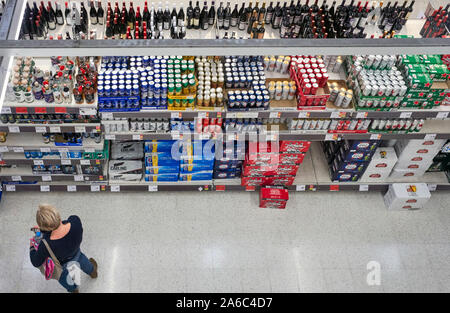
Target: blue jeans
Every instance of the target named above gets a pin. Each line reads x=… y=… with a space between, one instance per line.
x=86 y=266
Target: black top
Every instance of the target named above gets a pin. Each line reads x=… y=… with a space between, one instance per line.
x=65 y=248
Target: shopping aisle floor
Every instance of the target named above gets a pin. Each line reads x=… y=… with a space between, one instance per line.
x=222 y=242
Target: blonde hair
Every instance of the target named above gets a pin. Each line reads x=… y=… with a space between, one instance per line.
x=47 y=217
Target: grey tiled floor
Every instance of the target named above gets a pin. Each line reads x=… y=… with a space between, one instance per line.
x=222 y=242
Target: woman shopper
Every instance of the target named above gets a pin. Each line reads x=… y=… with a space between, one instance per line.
x=64 y=239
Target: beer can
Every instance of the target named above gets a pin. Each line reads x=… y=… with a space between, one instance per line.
x=314 y=88
x=307 y=89
x=339 y=99
x=346 y=101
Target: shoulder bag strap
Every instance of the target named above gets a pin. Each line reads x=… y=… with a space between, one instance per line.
x=55 y=259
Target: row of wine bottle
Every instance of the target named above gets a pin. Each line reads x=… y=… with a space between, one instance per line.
x=292 y=20
x=437 y=23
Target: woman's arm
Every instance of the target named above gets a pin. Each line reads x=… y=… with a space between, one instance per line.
x=38 y=257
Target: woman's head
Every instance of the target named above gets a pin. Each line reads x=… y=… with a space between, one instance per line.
x=47 y=217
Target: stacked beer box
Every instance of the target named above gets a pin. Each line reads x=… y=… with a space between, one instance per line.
x=273 y=163
x=229 y=158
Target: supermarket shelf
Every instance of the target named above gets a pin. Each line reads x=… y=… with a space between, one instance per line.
x=442 y=112
x=20 y=159
x=51 y=128
x=39 y=107
x=216 y=47
x=30 y=141
x=22 y=174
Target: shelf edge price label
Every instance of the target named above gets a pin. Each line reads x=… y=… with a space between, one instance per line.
x=430 y=137
x=38 y=162
x=60 y=110
x=107 y=115
x=17 y=149
x=138 y=137
x=375 y=136
x=13 y=129
x=231 y=115
x=203 y=114
x=300 y=187
x=85 y=162
x=338 y=114
x=10 y=187
x=334 y=187
x=152 y=188
x=231 y=136
x=80 y=129
x=48 y=150
x=78 y=178
x=89 y=150
x=331 y=137
x=442 y=115
x=41 y=129
x=361 y=115
x=95 y=188
x=6 y=110
x=363 y=187
x=432 y=187
x=175 y=115
x=110 y=137
x=4 y=149
x=250 y=188
x=115 y=188
x=175 y=135
x=55 y=129
x=45 y=188
x=41 y=110
x=88 y=111
x=220 y=187
x=303 y=114
x=71 y=188
x=16 y=178
x=405 y=115
x=46 y=178
x=66 y=162
x=274 y=114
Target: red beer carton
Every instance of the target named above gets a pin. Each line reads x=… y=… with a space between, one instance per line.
x=273 y=197
x=294 y=146
x=273 y=170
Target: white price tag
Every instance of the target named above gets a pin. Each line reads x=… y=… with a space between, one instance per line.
x=10 y=187
x=247 y=115
x=204 y=136
x=375 y=136
x=47 y=150
x=89 y=150
x=80 y=129
x=14 y=129
x=137 y=137
x=405 y=115
x=16 y=178
x=78 y=178
x=46 y=178
x=303 y=114
x=430 y=137
x=442 y=115
x=85 y=162
x=363 y=187
x=331 y=137
x=4 y=149
x=107 y=116
x=45 y=188
x=6 y=110
x=231 y=115
x=361 y=115
x=110 y=137
x=115 y=188
x=41 y=129
x=274 y=114
x=300 y=187
x=202 y=114
x=17 y=149
x=432 y=187
x=231 y=137
x=55 y=129
x=88 y=111
x=71 y=188
x=335 y=114
x=66 y=162
x=95 y=188
x=38 y=162
x=63 y=150
x=152 y=188
x=175 y=115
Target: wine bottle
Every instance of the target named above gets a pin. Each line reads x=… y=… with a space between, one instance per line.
x=68 y=14
x=269 y=14
x=277 y=17
x=212 y=14
x=220 y=16
x=173 y=15
x=180 y=18
x=166 y=23
x=93 y=14
x=204 y=21
x=190 y=16
x=261 y=31
x=146 y=13
x=262 y=14
x=234 y=16
x=227 y=17
x=51 y=17
x=242 y=18
x=196 y=19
